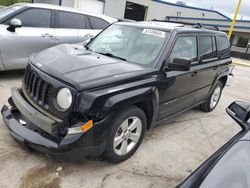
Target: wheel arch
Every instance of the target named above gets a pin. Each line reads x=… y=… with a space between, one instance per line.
x=146 y=99
x=223 y=80
x=147 y=108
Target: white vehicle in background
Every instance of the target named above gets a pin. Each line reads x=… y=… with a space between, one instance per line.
x=29 y=28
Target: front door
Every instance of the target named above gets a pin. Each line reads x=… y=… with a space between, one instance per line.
x=35 y=35
x=178 y=89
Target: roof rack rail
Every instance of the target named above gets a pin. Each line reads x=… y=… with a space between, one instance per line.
x=194 y=25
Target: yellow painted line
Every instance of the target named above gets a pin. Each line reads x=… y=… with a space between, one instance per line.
x=241 y=63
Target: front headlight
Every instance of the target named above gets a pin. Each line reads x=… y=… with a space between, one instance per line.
x=64 y=98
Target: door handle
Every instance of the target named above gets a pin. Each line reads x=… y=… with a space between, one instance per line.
x=195 y=73
x=47 y=35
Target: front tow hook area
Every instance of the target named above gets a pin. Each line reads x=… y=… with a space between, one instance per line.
x=24 y=134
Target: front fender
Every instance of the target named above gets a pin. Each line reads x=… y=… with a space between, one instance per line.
x=122 y=100
x=104 y=105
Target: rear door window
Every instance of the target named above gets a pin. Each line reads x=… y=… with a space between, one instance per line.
x=185 y=47
x=70 y=20
x=208 y=49
x=34 y=18
x=98 y=23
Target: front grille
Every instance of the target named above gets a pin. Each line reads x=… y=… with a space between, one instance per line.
x=38 y=89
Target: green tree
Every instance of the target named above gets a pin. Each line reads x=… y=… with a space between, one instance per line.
x=11 y=2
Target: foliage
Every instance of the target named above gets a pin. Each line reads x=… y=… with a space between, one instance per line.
x=10 y=2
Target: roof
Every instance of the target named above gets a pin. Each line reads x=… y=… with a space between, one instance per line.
x=68 y=9
x=168 y=26
x=152 y=24
x=194 y=8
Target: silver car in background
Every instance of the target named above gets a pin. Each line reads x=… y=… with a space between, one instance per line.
x=29 y=28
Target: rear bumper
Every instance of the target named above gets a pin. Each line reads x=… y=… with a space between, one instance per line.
x=70 y=147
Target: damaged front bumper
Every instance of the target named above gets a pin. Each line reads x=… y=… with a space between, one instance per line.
x=32 y=128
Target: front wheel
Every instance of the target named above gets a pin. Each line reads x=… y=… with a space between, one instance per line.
x=126 y=134
x=213 y=98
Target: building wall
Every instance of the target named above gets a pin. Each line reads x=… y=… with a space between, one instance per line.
x=159 y=9
x=115 y=8
x=68 y=3
x=235 y=46
x=93 y=6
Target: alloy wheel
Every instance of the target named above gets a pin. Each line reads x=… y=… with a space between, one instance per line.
x=215 y=97
x=127 y=135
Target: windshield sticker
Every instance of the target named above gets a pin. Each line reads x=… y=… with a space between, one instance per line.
x=154 y=32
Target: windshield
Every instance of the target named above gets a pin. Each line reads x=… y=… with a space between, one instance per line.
x=133 y=44
x=6 y=11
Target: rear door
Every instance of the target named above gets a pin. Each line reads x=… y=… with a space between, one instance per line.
x=67 y=26
x=86 y=31
x=35 y=35
x=208 y=64
x=96 y=24
x=178 y=90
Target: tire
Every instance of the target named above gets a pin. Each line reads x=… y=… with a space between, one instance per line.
x=117 y=151
x=213 y=98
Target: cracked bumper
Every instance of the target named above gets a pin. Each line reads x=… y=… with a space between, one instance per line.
x=72 y=147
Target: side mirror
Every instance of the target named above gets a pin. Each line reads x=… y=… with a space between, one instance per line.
x=180 y=64
x=240 y=112
x=14 y=23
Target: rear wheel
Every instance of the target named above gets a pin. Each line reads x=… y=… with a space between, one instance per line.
x=126 y=134
x=213 y=98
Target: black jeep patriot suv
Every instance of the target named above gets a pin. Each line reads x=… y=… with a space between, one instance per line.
x=99 y=99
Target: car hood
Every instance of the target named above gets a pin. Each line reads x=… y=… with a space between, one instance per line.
x=85 y=69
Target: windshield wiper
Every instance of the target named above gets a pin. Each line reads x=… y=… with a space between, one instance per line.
x=112 y=55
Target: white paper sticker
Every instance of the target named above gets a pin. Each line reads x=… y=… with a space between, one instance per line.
x=154 y=32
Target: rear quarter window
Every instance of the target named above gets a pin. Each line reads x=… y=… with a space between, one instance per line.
x=223 y=47
x=70 y=20
x=98 y=23
x=223 y=43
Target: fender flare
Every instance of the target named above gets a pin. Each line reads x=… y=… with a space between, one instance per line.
x=125 y=99
x=220 y=74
